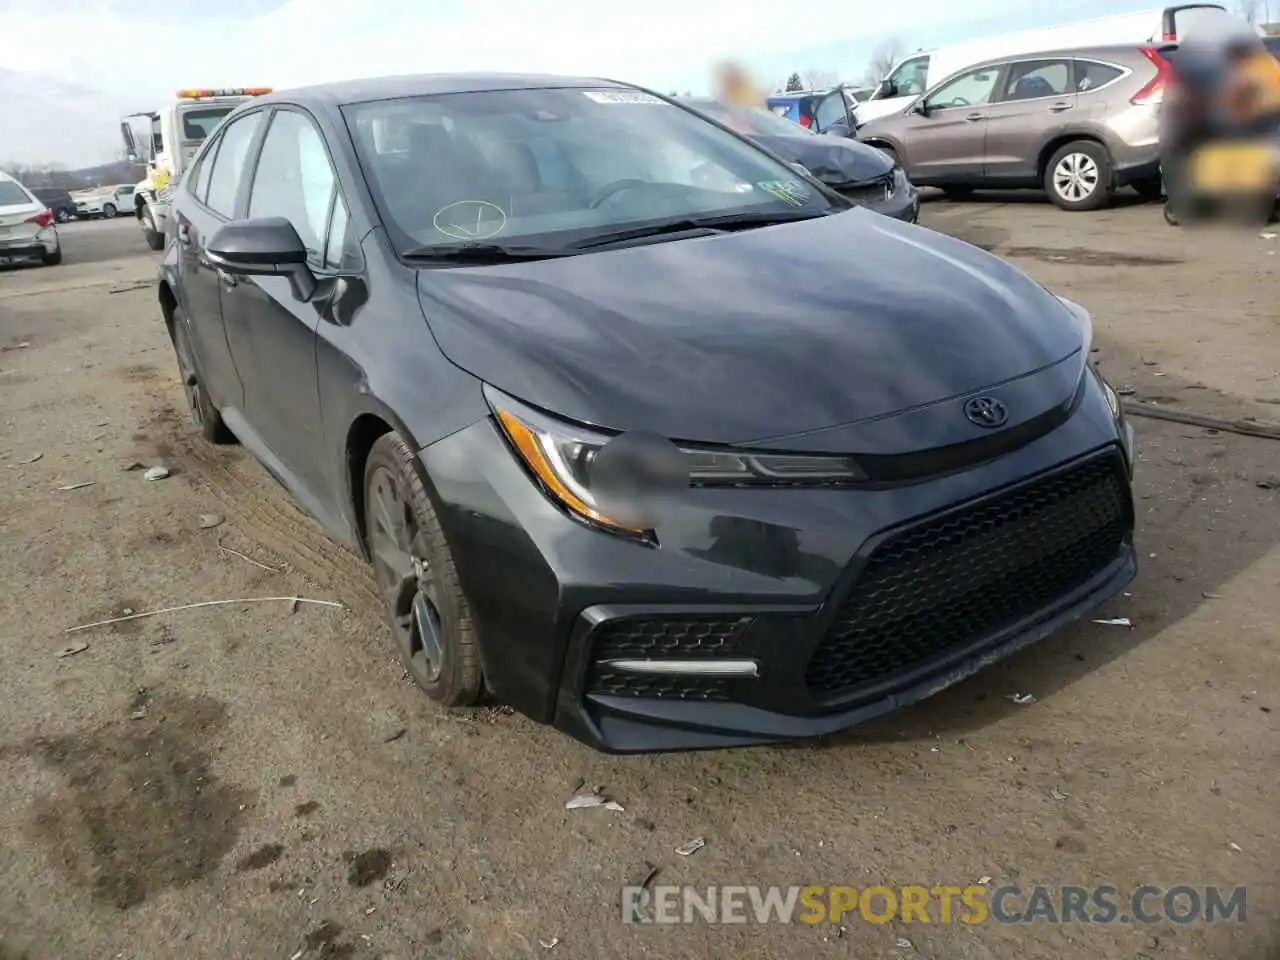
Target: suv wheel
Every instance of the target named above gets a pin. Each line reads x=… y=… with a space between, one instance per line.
x=109 y=211
x=430 y=617
x=1078 y=176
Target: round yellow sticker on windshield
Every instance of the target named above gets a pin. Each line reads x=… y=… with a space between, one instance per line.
x=470 y=220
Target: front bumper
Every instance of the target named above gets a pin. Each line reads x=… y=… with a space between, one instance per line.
x=893 y=196
x=848 y=603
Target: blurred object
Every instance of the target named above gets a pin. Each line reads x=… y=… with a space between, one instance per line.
x=735 y=86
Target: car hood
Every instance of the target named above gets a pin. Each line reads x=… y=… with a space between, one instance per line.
x=836 y=161
x=751 y=335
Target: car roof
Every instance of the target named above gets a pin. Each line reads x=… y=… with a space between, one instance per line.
x=1091 y=51
x=346 y=92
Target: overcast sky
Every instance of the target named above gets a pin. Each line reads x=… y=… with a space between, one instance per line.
x=70 y=68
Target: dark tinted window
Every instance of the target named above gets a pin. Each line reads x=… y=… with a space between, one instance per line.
x=1031 y=79
x=198 y=124
x=295 y=180
x=228 y=165
x=1091 y=76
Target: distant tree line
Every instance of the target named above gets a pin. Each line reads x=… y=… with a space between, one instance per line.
x=57 y=177
x=882 y=60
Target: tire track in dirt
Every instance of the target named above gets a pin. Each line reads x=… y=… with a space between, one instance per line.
x=240 y=488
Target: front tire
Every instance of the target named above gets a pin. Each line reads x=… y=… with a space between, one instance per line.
x=155 y=239
x=430 y=617
x=1079 y=176
x=52 y=259
x=204 y=415
x=109 y=211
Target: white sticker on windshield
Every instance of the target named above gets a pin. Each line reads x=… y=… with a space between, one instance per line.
x=621 y=96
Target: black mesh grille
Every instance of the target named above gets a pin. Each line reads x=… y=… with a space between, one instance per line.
x=971 y=573
x=658 y=639
x=875 y=191
x=615 y=684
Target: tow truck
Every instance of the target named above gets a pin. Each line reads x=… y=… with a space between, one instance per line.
x=173 y=135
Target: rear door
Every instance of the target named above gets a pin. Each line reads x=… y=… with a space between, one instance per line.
x=1035 y=101
x=948 y=143
x=207 y=201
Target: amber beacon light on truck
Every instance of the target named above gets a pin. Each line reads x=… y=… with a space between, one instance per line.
x=205 y=93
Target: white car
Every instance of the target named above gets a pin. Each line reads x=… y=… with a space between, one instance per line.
x=27 y=230
x=105 y=202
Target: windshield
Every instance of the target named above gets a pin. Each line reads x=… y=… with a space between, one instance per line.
x=551 y=166
x=199 y=123
x=751 y=121
x=11 y=194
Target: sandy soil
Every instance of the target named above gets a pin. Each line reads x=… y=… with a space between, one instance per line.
x=247 y=781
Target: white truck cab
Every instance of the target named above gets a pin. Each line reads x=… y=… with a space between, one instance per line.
x=172 y=136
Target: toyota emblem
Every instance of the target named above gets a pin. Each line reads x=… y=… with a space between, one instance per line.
x=986 y=412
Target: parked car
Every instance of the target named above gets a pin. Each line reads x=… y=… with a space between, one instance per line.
x=916 y=73
x=27 y=229
x=457 y=317
x=861 y=173
x=817 y=110
x=106 y=202
x=59 y=201
x=1080 y=123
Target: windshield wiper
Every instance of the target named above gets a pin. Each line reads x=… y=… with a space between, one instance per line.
x=482 y=252
x=721 y=223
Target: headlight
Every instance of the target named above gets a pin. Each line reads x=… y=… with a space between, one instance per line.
x=617 y=489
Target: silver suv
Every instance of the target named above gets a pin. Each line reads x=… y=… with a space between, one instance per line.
x=1080 y=123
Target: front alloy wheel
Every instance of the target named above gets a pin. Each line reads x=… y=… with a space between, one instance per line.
x=429 y=615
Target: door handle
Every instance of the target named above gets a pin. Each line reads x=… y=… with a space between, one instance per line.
x=974 y=116
x=184 y=234
x=1059 y=107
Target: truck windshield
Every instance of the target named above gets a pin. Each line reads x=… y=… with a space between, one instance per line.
x=199 y=122
x=552 y=166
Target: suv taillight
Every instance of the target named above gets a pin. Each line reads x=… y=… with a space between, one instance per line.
x=43 y=218
x=1153 y=91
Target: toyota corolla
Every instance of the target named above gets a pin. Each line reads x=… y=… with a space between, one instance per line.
x=520 y=341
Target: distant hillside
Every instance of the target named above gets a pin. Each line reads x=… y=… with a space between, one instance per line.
x=103 y=174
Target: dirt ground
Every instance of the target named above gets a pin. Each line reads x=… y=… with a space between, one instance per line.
x=250 y=781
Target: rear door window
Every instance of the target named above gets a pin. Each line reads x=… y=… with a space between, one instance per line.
x=1032 y=79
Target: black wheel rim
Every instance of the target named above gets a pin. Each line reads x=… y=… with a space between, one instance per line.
x=405 y=578
x=186 y=368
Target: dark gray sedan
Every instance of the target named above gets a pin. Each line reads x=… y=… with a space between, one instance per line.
x=865 y=175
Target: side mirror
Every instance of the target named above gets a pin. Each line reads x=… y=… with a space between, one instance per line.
x=265 y=247
x=888 y=88
x=920 y=107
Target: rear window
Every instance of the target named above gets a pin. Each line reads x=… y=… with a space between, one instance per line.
x=198 y=124
x=1091 y=76
x=1193 y=20
x=12 y=194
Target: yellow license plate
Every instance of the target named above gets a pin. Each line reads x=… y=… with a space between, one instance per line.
x=1232 y=168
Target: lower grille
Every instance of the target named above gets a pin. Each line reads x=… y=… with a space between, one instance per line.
x=675 y=638
x=971 y=573
x=875 y=191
